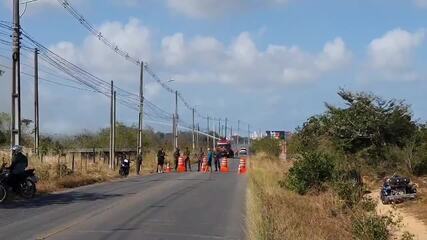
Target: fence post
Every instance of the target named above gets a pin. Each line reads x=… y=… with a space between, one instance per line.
x=72 y=162
x=59 y=165
x=94 y=155
x=86 y=162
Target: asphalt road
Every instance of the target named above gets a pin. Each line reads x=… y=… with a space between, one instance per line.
x=161 y=206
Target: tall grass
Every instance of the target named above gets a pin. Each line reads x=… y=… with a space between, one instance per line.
x=277 y=213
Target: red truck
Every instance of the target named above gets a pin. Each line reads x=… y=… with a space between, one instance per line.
x=223 y=146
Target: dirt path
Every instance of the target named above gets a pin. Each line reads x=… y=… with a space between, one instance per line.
x=409 y=222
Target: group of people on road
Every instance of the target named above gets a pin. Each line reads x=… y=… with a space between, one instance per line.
x=213 y=157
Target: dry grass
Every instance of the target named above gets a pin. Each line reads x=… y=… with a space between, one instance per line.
x=276 y=213
x=50 y=179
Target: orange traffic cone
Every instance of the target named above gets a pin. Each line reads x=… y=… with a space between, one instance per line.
x=181 y=165
x=168 y=168
x=242 y=166
x=205 y=166
x=224 y=165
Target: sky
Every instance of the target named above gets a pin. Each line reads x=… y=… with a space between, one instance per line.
x=270 y=63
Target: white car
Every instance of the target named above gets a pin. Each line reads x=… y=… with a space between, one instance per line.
x=243 y=151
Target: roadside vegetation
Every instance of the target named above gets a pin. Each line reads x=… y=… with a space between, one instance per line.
x=337 y=158
x=54 y=167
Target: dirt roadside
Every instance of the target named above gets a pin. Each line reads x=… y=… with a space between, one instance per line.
x=409 y=222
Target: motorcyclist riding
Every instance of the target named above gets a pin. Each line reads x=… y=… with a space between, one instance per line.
x=19 y=163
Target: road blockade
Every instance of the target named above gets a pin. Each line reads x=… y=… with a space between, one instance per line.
x=205 y=166
x=242 y=166
x=181 y=164
x=168 y=168
x=224 y=165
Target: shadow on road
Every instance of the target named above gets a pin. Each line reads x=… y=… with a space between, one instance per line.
x=58 y=199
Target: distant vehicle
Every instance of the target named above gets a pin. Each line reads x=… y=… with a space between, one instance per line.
x=124 y=168
x=23 y=184
x=397 y=189
x=243 y=151
x=223 y=146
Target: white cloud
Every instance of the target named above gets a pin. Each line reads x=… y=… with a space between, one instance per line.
x=214 y=8
x=206 y=59
x=392 y=54
x=421 y=3
x=95 y=56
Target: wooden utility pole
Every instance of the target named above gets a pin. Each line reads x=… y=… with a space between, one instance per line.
x=238 y=131
x=111 y=157
x=16 y=78
x=249 y=134
x=173 y=132
x=36 y=103
x=213 y=138
x=114 y=130
x=176 y=119
x=193 y=133
x=141 y=109
x=197 y=136
x=219 y=127
x=225 y=128
x=207 y=136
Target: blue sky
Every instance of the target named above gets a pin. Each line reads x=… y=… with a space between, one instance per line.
x=271 y=63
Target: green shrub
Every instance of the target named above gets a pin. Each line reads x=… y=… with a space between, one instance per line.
x=371 y=226
x=311 y=171
x=266 y=145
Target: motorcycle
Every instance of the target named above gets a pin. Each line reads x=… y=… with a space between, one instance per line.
x=22 y=184
x=124 y=168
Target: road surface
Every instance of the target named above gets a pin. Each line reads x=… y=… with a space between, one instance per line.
x=161 y=206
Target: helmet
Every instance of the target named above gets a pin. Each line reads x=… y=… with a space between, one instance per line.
x=17 y=148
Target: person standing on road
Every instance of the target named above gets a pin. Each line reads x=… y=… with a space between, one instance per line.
x=176 y=155
x=160 y=160
x=217 y=159
x=187 y=159
x=210 y=158
x=138 y=163
x=200 y=159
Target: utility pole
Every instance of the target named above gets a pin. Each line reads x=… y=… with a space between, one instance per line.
x=213 y=138
x=173 y=132
x=249 y=134
x=114 y=133
x=176 y=119
x=36 y=102
x=219 y=127
x=110 y=162
x=141 y=109
x=194 y=144
x=231 y=134
x=238 y=131
x=207 y=136
x=225 y=128
x=197 y=136
x=16 y=78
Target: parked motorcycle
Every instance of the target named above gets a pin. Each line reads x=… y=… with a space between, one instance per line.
x=22 y=184
x=124 y=168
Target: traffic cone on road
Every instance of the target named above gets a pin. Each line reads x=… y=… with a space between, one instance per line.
x=168 y=168
x=181 y=165
x=242 y=166
x=205 y=166
x=224 y=165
